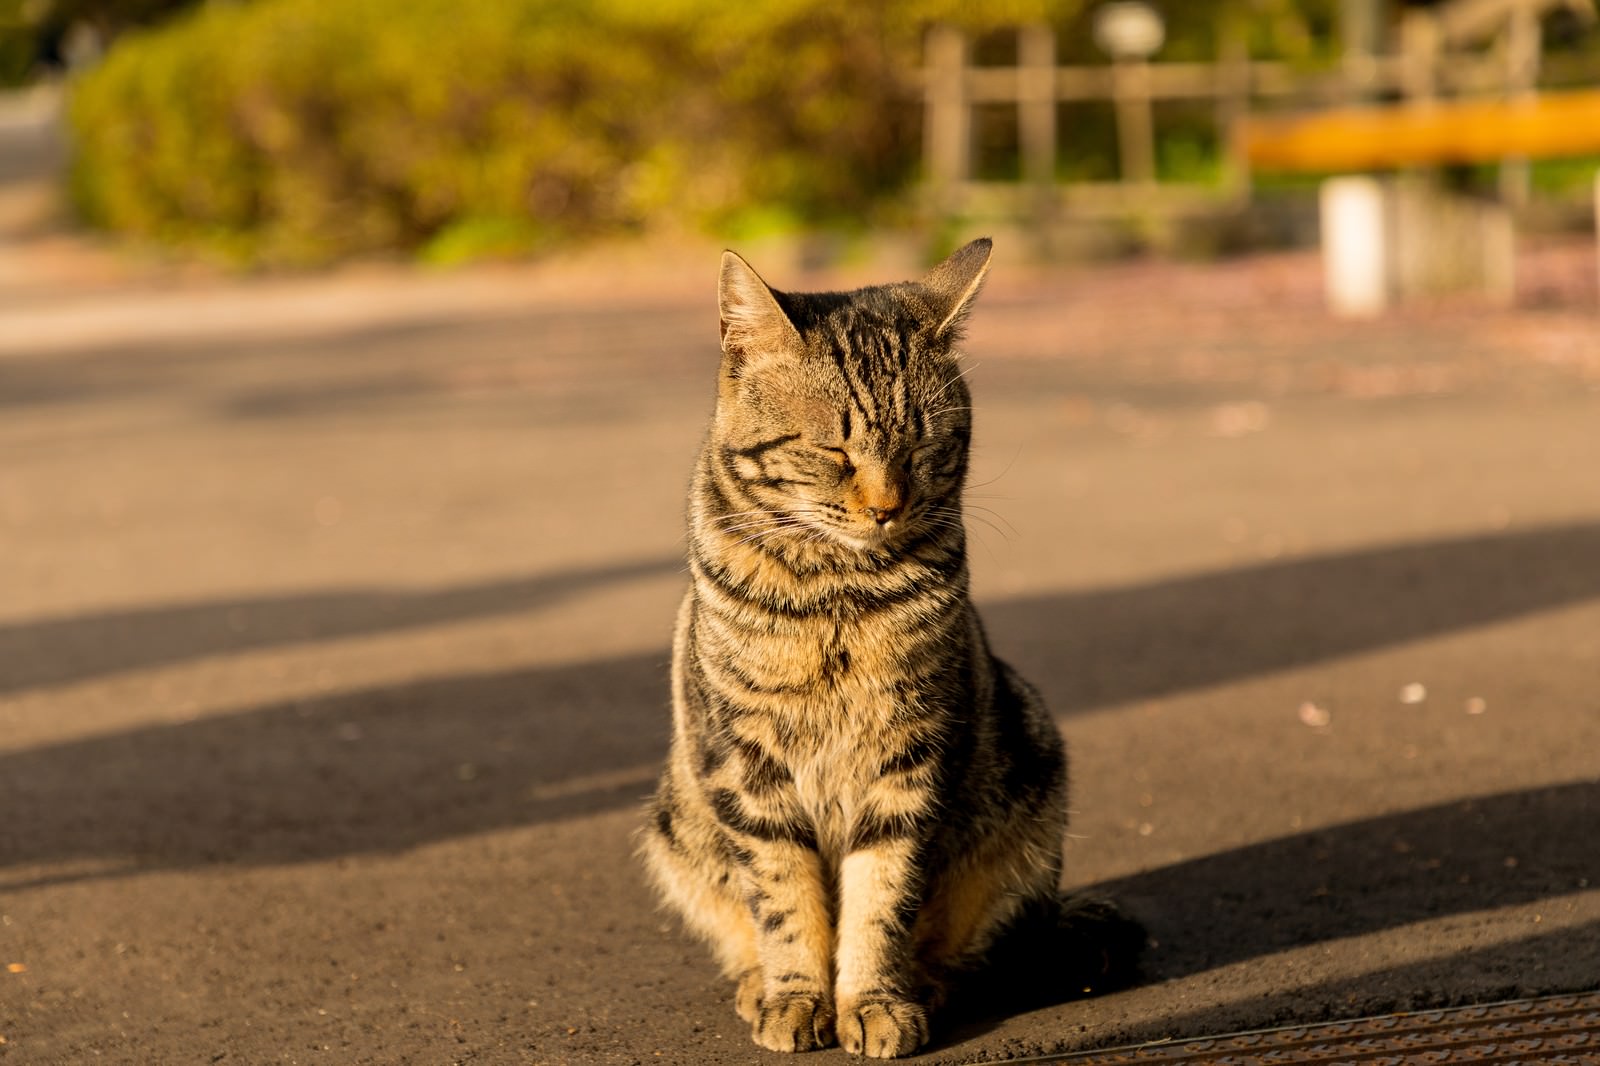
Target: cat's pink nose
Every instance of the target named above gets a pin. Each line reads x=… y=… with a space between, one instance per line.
x=882 y=515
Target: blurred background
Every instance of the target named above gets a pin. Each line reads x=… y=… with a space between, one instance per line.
x=292 y=133
x=354 y=355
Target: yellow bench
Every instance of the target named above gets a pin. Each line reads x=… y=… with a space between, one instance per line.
x=1545 y=126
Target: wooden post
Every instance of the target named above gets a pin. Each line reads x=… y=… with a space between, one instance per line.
x=1233 y=104
x=1524 y=43
x=947 y=120
x=1036 y=104
x=1419 y=49
x=1136 y=139
x=1361 y=38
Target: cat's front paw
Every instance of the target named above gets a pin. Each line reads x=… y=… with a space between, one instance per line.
x=882 y=1026
x=747 y=996
x=794 y=1021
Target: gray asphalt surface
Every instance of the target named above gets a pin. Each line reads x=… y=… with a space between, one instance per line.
x=334 y=620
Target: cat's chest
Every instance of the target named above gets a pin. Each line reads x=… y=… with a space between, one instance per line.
x=832 y=671
x=835 y=774
x=836 y=700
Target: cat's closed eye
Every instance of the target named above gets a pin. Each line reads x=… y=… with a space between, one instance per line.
x=926 y=455
x=842 y=457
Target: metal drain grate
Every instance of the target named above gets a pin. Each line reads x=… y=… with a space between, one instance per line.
x=1550 y=1029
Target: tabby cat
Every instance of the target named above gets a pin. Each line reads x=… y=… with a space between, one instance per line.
x=859 y=798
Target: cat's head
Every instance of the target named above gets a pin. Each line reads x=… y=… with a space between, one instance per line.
x=843 y=417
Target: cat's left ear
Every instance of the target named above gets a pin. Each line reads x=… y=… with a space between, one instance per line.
x=953 y=285
x=753 y=323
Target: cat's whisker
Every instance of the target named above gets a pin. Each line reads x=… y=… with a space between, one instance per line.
x=946 y=514
x=766 y=519
x=996 y=514
x=741 y=514
x=1009 y=464
x=756 y=538
x=758 y=527
x=954 y=518
x=773 y=526
x=788 y=525
x=744 y=521
x=762 y=510
x=1003 y=533
x=727 y=523
x=947 y=386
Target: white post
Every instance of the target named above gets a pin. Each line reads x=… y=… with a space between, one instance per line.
x=1356 y=252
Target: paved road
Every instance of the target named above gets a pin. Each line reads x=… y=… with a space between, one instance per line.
x=333 y=623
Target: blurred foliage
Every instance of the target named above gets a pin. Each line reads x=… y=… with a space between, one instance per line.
x=302 y=131
x=298 y=131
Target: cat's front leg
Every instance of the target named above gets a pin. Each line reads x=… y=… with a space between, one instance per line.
x=877 y=1012
x=787 y=898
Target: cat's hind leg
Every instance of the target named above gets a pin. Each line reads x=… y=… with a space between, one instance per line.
x=976 y=900
x=696 y=881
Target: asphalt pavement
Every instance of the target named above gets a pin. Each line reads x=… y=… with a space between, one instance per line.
x=334 y=617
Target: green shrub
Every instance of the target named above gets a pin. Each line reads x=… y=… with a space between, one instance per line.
x=299 y=131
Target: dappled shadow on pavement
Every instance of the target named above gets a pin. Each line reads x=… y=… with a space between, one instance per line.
x=368 y=771
x=1104 y=646
x=1487 y=974
x=1366 y=876
x=546 y=357
x=56 y=650
x=1138 y=642
x=391 y=768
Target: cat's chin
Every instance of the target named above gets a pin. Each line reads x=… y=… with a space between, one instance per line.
x=860 y=544
x=877 y=542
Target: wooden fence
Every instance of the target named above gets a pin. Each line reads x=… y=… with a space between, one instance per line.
x=1430 y=62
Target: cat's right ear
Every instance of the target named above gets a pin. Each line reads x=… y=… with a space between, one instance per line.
x=953 y=285
x=752 y=320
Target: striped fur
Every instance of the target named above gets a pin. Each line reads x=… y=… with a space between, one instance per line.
x=860 y=798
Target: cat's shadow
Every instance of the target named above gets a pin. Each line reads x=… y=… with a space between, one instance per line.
x=1488 y=973
x=1364 y=877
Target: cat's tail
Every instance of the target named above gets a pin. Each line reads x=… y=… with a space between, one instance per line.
x=1061 y=948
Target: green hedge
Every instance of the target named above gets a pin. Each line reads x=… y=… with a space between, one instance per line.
x=300 y=131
